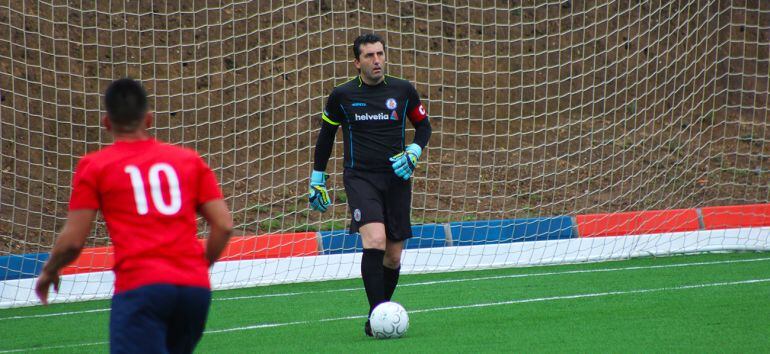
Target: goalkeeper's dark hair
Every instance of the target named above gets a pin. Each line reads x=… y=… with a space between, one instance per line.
x=126 y=102
x=366 y=38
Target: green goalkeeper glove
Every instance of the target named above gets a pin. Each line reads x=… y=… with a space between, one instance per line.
x=319 y=196
x=405 y=162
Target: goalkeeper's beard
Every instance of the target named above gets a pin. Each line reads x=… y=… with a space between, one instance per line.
x=373 y=76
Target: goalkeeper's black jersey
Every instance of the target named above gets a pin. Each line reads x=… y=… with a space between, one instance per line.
x=373 y=119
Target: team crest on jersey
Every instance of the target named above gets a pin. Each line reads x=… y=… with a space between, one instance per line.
x=391 y=103
x=357 y=215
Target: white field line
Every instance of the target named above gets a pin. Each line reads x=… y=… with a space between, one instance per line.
x=444 y=308
x=67 y=346
x=509 y=302
x=55 y=314
x=432 y=282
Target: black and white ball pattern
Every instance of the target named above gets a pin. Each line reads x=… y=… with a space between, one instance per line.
x=389 y=320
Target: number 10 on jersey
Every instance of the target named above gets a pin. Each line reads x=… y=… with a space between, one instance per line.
x=140 y=197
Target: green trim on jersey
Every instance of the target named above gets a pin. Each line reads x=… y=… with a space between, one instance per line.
x=395 y=77
x=351 y=79
x=327 y=119
x=323 y=113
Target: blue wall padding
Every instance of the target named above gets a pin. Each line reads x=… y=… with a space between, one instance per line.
x=339 y=241
x=21 y=266
x=424 y=236
x=484 y=232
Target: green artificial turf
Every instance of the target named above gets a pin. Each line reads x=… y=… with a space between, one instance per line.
x=698 y=303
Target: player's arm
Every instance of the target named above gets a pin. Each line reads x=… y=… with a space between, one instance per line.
x=68 y=246
x=220 y=222
x=422 y=132
x=330 y=121
x=212 y=206
x=324 y=145
x=419 y=118
x=319 y=196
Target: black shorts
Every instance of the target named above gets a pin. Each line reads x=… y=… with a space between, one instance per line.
x=379 y=197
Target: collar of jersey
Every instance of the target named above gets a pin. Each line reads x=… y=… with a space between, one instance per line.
x=133 y=142
x=361 y=82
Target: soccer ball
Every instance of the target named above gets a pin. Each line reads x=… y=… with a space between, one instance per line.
x=389 y=320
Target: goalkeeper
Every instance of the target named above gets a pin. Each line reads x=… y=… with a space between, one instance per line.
x=372 y=109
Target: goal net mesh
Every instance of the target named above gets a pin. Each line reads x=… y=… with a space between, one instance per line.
x=539 y=109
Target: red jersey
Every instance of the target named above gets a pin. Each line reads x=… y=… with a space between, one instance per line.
x=149 y=193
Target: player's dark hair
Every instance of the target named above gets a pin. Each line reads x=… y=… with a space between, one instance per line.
x=366 y=38
x=126 y=102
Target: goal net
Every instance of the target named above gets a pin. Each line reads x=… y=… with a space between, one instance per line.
x=564 y=131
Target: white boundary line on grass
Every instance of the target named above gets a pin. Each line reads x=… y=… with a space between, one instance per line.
x=494 y=277
x=66 y=346
x=55 y=314
x=445 y=308
x=432 y=282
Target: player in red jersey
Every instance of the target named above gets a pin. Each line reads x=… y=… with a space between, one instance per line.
x=149 y=193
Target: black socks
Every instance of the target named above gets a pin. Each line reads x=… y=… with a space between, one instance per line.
x=390 y=277
x=372 y=274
